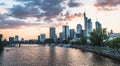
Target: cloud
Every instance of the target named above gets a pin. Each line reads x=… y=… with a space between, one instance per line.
x=2 y=4
x=107 y=5
x=3 y=17
x=37 y=8
x=12 y=24
x=74 y=3
x=70 y=17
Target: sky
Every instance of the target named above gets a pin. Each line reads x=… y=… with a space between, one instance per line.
x=30 y=18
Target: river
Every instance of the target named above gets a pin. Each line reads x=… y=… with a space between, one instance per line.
x=39 y=55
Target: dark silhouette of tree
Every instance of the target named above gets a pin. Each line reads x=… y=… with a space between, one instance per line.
x=98 y=37
x=65 y=41
x=49 y=41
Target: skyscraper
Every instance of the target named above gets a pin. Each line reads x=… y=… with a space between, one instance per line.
x=11 y=39
x=79 y=28
x=52 y=33
x=61 y=35
x=88 y=25
x=16 y=39
x=98 y=25
x=1 y=37
x=72 y=33
x=66 y=32
x=42 y=37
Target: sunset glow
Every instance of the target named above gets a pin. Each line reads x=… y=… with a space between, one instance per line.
x=29 y=18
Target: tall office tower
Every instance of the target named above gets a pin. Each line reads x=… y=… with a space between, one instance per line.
x=16 y=39
x=88 y=25
x=1 y=37
x=79 y=28
x=66 y=32
x=42 y=37
x=72 y=33
x=98 y=25
x=52 y=33
x=11 y=39
x=61 y=36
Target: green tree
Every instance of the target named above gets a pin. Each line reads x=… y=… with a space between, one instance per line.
x=98 y=37
x=83 y=40
x=49 y=41
x=65 y=41
x=115 y=44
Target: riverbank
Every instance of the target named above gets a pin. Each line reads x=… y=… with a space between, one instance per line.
x=104 y=51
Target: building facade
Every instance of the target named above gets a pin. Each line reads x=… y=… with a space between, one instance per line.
x=52 y=33
x=88 y=25
x=42 y=37
x=98 y=25
x=66 y=32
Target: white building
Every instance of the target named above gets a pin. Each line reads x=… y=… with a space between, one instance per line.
x=114 y=35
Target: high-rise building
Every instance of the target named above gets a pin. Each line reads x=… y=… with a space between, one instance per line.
x=61 y=36
x=42 y=37
x=52 y=33
x=66 y=32
x=79 y=28
x=72 y=33
x=1 y=37
x=98 y=25
x=11 y=39
x=88 y=25
x=16 y=39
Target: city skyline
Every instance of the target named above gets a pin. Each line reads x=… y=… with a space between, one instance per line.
x=29 y=23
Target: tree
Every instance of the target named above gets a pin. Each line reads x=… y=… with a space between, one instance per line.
x=98 y=37
x=65 y=41
x=83 y=40
x=49 y=41
x=115 y=44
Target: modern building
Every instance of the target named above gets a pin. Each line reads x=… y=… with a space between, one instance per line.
x=52 y=33
x=88 y=25
x=1 y=37
x=98 y=25
x=16 y=39
x=11 y=39
x=79 y=28
x=72 y=33
x=61 y=36
x=42 y=37
x=66 y=32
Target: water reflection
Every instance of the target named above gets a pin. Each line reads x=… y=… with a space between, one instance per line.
x=38 y=55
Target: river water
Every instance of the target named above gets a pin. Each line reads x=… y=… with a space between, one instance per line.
x=38 y=55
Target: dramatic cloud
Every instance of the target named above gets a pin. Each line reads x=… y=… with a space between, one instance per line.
x=37 y=8
x=74 y=3
x=107 y=5
x=70 y=17
x=2 y=3
x=8 y=24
